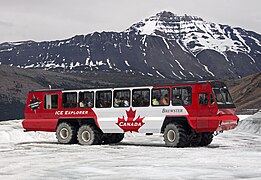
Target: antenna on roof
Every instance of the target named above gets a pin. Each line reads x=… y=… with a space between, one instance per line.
x=50 y=87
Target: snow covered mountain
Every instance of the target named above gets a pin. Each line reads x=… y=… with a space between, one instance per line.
x=210 y=43
x=165 y=45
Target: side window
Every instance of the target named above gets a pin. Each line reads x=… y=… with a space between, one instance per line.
x=51 y=101
x=86 y=99
x=182 y=96
x=160 y=97
x=103 y=99
x=70 y=100
x=203 y=99
x=140 y=97
x=121 y=98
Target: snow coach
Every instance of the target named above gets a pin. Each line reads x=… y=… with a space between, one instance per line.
x=187 y=114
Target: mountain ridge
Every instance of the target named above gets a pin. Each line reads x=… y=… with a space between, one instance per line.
x=17 y=82
x=180 y=47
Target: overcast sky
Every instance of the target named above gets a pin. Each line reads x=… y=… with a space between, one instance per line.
x=59 y=19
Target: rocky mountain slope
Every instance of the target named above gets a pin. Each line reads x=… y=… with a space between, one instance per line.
x=16 y=82
x=246 y=93
x=165 y=45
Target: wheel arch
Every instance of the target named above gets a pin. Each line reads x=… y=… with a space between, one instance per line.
x=78 y=122
x=179 y=119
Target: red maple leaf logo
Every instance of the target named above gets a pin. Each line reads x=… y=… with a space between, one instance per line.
x=130 y=124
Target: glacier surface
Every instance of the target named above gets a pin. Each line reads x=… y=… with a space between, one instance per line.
x=233 y=154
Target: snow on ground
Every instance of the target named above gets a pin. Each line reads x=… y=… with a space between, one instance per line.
x=233 y=154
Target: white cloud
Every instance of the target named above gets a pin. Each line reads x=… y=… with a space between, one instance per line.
x=58 y=19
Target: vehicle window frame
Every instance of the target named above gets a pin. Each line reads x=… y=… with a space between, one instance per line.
x=96 y=98
x=207 y=97
x=122 y=104
x=143 y=89
x=85 y=104
x=45 y=100
x=190 y=100
x=63 y=104
x=158 y=100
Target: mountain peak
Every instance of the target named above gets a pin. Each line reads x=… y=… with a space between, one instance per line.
x=164 y=45
x=194 y=33
x=169 y=16
x=162 y=22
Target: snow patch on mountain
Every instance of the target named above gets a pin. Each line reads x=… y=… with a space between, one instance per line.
x=195 y=33
x=165 y=45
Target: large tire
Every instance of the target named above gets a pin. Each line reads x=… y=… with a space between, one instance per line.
x=110 y=138
x=118 y=137
x=195 y=140
x=89 y=135
x=175 y=135
x=206 y=139
x=66 y=133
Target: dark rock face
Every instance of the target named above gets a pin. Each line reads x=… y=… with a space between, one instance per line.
x=16 y=83
x=163 y=48
x=112 y=52
x=164 y=45
x=246 y=93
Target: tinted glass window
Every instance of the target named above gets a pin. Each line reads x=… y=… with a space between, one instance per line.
x=140 y=97
x=70 y=100
x=203 y=99
x=160 y=97
x=226 y=96
x=103 y=99
x=182 y=96
x=51 y=101
x=121 y=98
x=85 y=99
x=222 y=96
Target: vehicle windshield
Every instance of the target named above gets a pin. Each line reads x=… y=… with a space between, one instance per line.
x=222 y=96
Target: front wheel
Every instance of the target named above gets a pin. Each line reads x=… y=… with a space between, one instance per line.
x=66 y=133
x=206 y=139
x=88 y=135
x=175 y=135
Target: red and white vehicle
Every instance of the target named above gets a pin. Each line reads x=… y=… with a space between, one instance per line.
x=187 y=114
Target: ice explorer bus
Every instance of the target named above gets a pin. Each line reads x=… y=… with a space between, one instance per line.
x=187 y=114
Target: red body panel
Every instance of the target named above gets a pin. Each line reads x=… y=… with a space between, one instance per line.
x=47 y=120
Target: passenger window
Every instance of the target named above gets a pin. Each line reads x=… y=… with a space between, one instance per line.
x=203 y=99
x=160 y=97
x=103 y=99
x=70 y=100
x=51 y=101
x=121 y=98
x=86 y=99
x=140 y=97
x=182 y=96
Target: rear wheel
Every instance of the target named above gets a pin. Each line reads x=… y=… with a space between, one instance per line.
x=110 y=138
x=118 y=137
x=206 y=138
x=175 y=135
x=88 y=135
x=66 y=133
